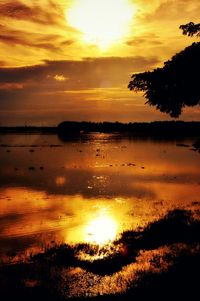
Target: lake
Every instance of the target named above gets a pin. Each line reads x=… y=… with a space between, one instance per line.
x=112 y=204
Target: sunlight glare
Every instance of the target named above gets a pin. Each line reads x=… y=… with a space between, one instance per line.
x=101 y=230
x=102 y=22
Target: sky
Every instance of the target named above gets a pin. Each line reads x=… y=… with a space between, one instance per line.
x=73 y=59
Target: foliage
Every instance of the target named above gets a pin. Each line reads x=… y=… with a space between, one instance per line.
x=191 y=29
x=176 y=84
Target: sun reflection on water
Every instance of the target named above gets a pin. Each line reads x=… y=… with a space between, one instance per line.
x=101 y=230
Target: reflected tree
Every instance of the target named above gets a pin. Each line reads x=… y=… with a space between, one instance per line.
x=196 y=145
x=177 y=83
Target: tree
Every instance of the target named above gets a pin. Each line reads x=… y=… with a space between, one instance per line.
x=177 y=83
x=191 y=29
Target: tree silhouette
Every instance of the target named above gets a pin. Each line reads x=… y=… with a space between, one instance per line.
x=177 y=83
x=191 y=29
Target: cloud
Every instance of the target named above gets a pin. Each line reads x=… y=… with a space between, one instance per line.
x=11 y=86
x=60 y=78
x=2 y=64
x=51 y=42
x=83 y=74
x=174 y=10
x=145 y=40
x=56 y=78
x=95 y=89
x=29 y=26
x=39 y=30
x=13 y=40
x=35 y=35
x=35 y=13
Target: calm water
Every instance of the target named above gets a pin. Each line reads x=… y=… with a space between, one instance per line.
x=91 y=191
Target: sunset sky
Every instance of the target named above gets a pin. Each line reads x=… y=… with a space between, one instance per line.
x=72 y=59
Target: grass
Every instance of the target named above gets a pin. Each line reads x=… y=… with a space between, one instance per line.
x=40 y=276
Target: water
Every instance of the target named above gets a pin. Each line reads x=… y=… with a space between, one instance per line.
x=90 y=192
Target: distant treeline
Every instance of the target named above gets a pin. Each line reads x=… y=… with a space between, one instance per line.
x=156 y=128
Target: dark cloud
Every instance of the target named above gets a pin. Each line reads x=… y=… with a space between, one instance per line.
x=2 y=64
x=50 y=42
x=36 y=13
x=48 y=13
x=12 y=40
x=66 y=42
x=20 y=86
x=87 y=73
x=150 y=39
x=86 y=91
x=15 y=9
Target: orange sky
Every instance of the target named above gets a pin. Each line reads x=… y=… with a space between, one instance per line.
x=72 y=59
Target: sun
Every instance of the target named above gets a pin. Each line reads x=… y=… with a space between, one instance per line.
x=101 y=22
